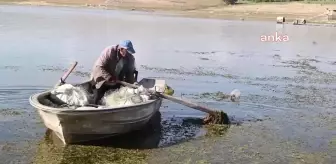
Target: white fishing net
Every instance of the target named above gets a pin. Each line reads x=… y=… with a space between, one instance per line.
x=125 y=96
x=71 y=95
x=74 y=97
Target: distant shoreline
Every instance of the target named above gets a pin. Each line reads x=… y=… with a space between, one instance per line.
x=315 y=14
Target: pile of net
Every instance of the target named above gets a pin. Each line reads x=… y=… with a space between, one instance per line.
x=76 y=97
x=70 y=96
x=125 y=96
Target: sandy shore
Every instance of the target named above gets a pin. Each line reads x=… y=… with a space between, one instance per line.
x=205 y=9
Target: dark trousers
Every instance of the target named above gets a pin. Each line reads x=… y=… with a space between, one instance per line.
x=98 y=94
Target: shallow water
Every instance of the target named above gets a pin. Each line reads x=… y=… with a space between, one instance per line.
x=287 y=109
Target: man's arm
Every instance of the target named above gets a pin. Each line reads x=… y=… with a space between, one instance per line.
x=102 y=65
x=130 y=70
x=100 y=73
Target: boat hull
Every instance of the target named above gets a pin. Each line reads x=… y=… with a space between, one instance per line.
x=74 y=126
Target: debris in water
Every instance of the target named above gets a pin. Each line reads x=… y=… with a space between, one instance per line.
x=198 y=53
x=235 y=95
x=204 y=58
x=314 y=60
x=333 y=63
x=13 y=68
x=277 y=56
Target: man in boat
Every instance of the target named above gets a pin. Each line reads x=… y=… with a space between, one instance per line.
x=116 y=62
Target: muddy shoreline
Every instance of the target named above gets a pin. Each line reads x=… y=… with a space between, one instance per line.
x=315 y=14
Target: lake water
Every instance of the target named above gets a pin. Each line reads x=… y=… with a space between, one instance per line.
x=288 y=88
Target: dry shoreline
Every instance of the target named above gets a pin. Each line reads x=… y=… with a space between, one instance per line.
x=313 y=13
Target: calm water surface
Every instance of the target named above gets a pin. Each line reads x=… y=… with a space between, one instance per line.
x=289 y=86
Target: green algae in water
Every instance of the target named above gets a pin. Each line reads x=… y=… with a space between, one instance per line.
x=78 y=154
x=216 y=96
x=219 y=117
x=216 y=130
x=217 y=124
x=113 y=150
x=202 y=162
x=9 y=112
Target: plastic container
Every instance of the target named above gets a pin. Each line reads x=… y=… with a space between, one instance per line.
x=235 y=95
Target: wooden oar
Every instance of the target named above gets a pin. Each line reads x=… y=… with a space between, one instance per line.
x=65 y=76
x=176 y=100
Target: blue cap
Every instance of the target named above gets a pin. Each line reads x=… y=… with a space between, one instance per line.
x=127 y=44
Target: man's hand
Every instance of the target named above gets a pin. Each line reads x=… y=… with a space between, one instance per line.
x=112 y=79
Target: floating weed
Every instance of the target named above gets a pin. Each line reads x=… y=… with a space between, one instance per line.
x=219 y=117
x=218 y=96
x=216 y=130
x=202 y=162
x=9 y=112
x=76 y=154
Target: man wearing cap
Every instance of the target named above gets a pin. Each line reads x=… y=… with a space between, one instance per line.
x=116 y=62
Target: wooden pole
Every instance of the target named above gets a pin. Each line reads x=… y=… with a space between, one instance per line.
x=176 y=100
x=65 y=76
x=188 y=104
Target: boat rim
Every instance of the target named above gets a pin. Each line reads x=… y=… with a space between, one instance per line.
x=33 y=100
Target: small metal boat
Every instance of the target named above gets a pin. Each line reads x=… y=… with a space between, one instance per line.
x=74 y=126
